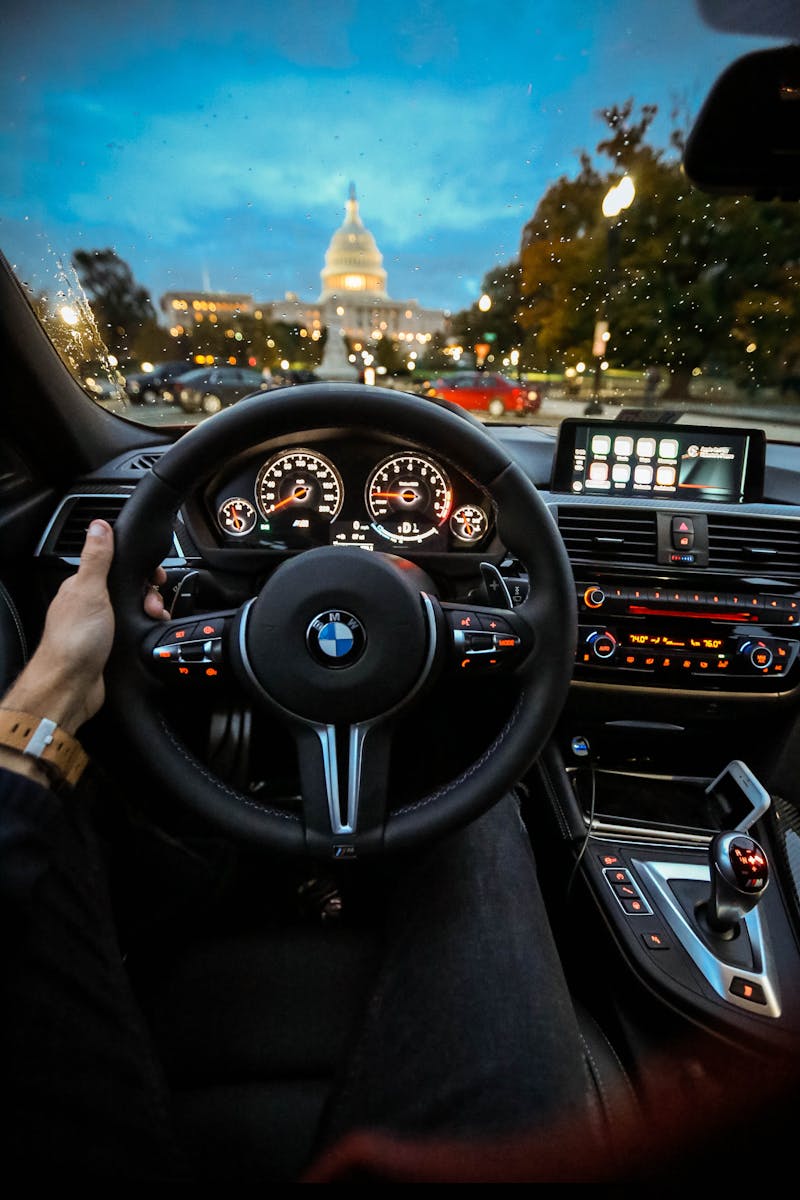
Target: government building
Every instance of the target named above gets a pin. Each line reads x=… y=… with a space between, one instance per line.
x=353 y=299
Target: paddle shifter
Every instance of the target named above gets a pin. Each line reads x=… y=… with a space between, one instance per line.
x=739 y=877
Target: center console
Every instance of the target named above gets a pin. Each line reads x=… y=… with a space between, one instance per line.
x=687 y=588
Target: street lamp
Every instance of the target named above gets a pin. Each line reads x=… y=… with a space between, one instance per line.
x=69 y=315
x=616 y=200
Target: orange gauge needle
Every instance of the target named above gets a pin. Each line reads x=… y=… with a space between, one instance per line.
x=407 y=495
x=237 y=524
x=299 y=493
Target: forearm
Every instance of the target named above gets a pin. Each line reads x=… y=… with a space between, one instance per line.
x=44 y=689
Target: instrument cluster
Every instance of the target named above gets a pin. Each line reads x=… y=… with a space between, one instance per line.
x=376 y=496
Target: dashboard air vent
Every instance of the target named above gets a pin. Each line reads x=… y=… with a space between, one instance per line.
x=612 y=535
x=141 y=462
x=754 y=546
x=78 y=512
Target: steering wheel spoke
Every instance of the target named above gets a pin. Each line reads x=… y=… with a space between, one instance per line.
x=191 y=650
x=487 y=639
x=343 y=780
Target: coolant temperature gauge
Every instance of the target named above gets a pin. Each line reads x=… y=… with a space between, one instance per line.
x=237 y=516
x=469 y=523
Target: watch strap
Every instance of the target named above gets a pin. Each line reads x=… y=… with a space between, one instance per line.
x=61 y=756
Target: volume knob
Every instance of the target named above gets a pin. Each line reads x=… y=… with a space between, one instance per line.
x=593 y=597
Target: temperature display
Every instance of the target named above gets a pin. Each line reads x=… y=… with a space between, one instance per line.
x=237 y=516
x=468 y=523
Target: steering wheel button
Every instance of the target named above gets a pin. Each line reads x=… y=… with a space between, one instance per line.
x=176 y=633
x=207 y=629
x=193 y=652
x=462 y=619
x=506 y=643
x=493 y=624
x=478 y=641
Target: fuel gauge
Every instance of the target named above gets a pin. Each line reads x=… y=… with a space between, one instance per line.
x=237 y=516
x=469 y=523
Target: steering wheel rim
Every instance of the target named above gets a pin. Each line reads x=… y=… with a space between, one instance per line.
x=525 y=526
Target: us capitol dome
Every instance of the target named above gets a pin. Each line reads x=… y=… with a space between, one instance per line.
x=354 y=299
x=353 y=262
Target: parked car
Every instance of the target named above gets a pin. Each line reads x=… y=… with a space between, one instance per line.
x=208 y=389
x=147 y=387
x=485 y=391
x=296 y=375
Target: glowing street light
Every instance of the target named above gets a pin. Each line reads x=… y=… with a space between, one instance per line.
x=619 y=197
x=68 y=314
x=485 y=303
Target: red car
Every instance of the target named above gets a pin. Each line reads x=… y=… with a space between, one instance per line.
x=483 y=391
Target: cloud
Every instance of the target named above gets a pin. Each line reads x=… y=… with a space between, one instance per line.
x=429 y=160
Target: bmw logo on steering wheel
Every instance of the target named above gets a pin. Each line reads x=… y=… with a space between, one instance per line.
x=336 y=638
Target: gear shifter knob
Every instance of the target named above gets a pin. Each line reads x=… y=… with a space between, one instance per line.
x=739 y=876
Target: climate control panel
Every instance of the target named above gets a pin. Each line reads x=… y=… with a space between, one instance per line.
x=664 y=635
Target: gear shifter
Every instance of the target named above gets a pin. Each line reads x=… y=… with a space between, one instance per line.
x=739 y=877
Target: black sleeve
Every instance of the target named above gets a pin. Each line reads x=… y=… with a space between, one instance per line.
x=85 y=1094
x=30 y=815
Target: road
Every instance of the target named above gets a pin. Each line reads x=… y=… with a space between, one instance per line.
x=162 y=415
x=550 y=415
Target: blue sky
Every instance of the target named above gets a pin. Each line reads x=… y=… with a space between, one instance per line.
x=217 y=141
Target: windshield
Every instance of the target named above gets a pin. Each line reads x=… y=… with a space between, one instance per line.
x=397 y=195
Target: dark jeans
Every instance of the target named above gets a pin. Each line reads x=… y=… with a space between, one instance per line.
x=468 y=1029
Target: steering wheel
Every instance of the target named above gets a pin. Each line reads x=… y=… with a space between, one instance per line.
x=339 y=641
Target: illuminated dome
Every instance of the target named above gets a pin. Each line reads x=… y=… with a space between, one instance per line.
x=353 y=262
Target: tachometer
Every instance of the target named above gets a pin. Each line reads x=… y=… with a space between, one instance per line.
x=298 y=491
x=409 y=497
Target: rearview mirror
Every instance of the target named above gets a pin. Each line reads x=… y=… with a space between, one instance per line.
x=746 y=139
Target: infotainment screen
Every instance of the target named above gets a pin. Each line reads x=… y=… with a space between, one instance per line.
x=680 y=462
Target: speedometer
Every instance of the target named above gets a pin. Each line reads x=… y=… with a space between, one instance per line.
x=299 y=492
x=409 y=497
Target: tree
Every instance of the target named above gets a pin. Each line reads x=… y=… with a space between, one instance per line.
x=121 y=307
x=434 y=360
x=685 y=279
x=389 y=355
x=500 y=321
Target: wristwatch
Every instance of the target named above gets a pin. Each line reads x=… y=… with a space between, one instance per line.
x=60 y=756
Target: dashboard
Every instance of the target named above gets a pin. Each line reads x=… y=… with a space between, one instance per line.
x=672 y=595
